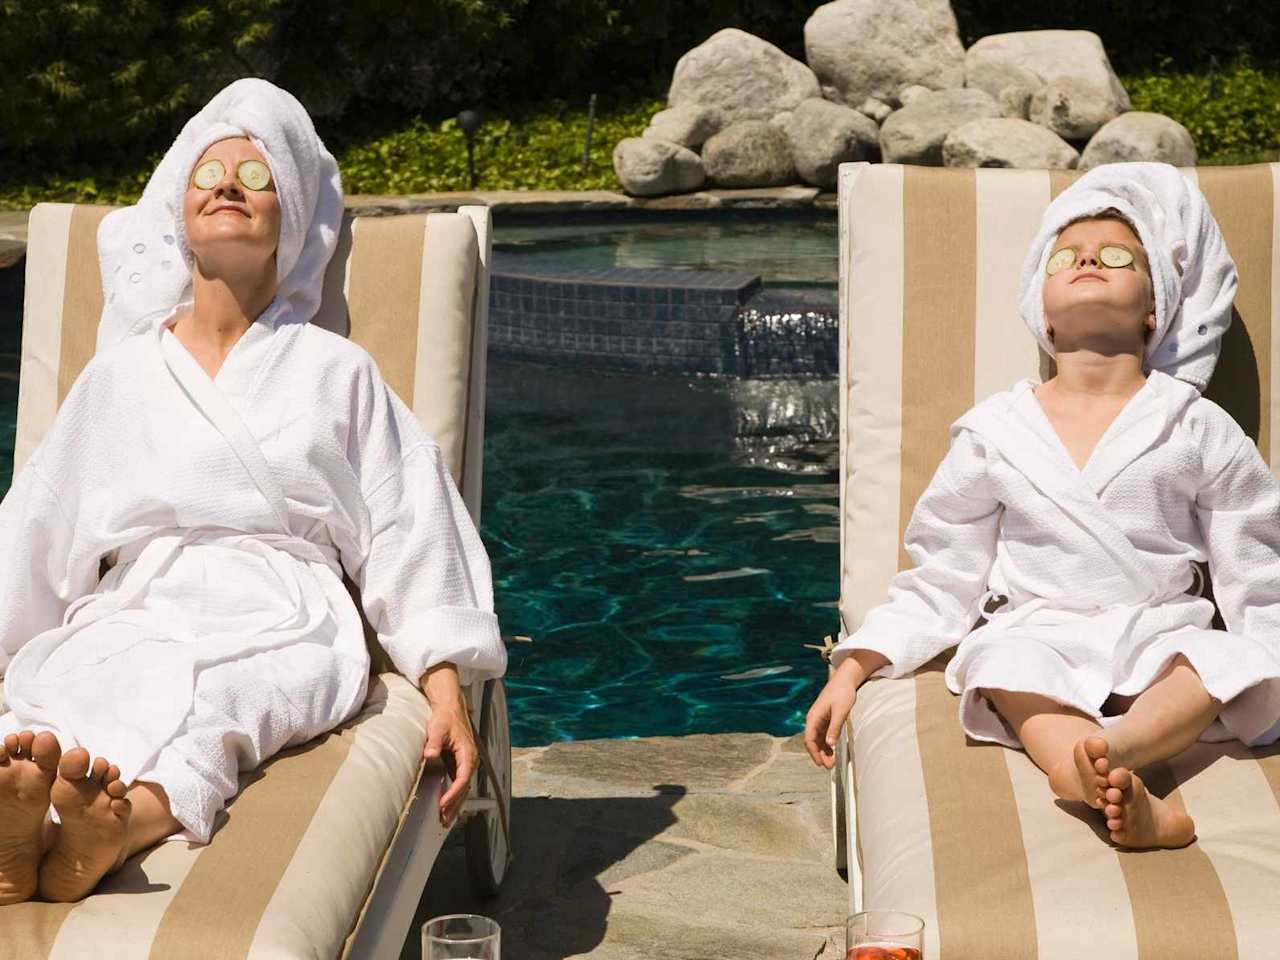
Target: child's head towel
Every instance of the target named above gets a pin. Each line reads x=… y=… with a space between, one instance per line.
x=1192 y=273
x=142 y=250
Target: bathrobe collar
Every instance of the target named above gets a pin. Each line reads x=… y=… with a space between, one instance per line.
x=1016 y=427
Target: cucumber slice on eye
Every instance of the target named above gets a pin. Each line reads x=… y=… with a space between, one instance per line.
x=208 y=174
x=1115 y=256
x=1060 y=260
x=254 y=174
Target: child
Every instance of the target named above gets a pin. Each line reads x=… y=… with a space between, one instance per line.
x=1084 y=502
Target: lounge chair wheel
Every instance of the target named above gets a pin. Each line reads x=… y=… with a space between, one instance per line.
x=485 y=835
x=839 y=827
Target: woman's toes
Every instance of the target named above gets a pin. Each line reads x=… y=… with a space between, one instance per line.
x=116 y=789
x=1120 y=778
x=11 y=744
x=121 y=807
x=1114 y=795
x=46 y=752
x=75 y=764
x=99 y=769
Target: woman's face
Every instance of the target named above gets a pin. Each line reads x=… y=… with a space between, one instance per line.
x=1087 y=298
x=230 y=227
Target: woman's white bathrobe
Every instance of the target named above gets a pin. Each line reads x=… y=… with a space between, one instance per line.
x=228 y=511
x=1097 y=563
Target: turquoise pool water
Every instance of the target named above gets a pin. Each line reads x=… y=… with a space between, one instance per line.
x=668 y=568
x=794 y=249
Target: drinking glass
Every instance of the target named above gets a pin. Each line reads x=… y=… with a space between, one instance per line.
x=884 y=935
x=461 y=936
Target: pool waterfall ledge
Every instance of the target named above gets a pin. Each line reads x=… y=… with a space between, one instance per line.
x=675 y=847
x=679 y=322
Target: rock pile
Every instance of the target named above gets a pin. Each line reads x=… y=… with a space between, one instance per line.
x=889 y=80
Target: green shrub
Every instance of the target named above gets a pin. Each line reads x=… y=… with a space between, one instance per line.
x=1233 y=114
x=524 y=150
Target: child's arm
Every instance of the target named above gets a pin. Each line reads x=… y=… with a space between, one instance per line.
x=1238 y=507
x=952 y=539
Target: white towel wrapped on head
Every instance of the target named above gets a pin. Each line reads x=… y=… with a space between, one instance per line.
x=146 y=263
x=1192 y=274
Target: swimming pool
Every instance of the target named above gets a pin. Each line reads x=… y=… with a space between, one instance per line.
x=789 y=250
x=668 y=567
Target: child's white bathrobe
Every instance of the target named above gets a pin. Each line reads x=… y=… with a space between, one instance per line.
x=1097 y=564
x=229 y=510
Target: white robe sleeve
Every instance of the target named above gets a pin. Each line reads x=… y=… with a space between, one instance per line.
x=952 y=539
x=425 y=582
x=38 y=578
x=1238 y=507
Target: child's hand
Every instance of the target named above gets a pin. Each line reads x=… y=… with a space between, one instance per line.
x=831 y=708
x=828 y=713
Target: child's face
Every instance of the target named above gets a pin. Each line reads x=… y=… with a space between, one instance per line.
x=1086 y=300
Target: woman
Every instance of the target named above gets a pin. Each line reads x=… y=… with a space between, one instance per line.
x=173 y=602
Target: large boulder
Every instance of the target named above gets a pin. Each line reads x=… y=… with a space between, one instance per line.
x=750 y=153
x=873 y=48
x=741 y=77
x=688 y=125
x=824 y=135
x=1007 y=142
x=1140 y=136
x=647 y=167
x=1038 y=57
x=1072 y=108
x=915 y=133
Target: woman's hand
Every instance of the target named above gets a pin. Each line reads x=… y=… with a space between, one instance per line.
x=831 y=707
x=449 y=736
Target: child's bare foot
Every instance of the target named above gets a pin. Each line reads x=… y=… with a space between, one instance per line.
x=1138 y=819
x=28 y=764
x=1084 y=776
x=95 y=816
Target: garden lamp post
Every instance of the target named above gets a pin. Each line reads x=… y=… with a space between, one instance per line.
x=469 y=123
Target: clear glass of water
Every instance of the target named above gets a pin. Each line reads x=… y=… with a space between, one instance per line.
x=461 y=936
x=884 y=935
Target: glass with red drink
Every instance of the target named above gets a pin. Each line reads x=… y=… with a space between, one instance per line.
x=884 y=935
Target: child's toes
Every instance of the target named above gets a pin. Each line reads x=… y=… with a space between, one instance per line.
x=1114 y=795
x=1120 y=778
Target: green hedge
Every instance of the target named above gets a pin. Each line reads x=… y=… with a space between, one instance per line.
x=1233 y=115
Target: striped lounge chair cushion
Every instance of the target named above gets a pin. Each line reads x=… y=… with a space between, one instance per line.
x=292 y=866
x=966 y=835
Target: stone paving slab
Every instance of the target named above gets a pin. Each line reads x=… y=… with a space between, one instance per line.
x=684 y=848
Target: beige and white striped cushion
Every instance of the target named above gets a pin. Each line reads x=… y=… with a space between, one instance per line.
x=304 y=842
x=968 y=835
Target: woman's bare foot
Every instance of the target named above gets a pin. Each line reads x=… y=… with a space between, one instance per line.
x=1084 y=776
x=95 y=818
x=28 y=765
x=1138 y=819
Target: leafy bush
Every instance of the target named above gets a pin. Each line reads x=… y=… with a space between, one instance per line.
x=1233 y=115
x=525 y=150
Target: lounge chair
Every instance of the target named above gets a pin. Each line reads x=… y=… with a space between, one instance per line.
x=326 y=850
x=969 y=836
